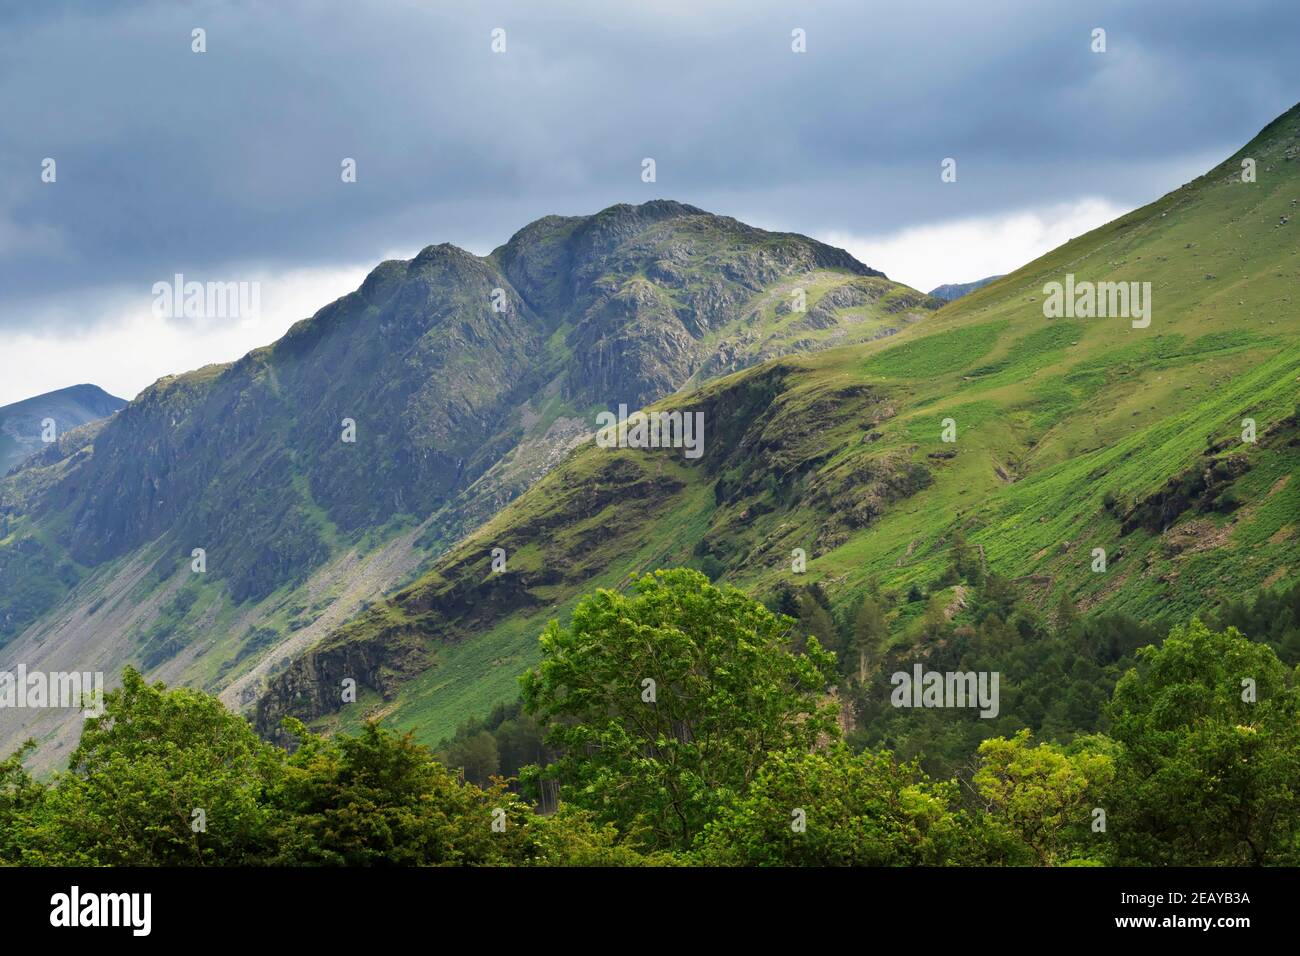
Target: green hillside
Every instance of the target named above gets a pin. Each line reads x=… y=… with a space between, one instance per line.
x=1071 y=435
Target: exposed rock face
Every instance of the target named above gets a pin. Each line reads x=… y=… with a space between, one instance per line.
x=760 y=438
x=644 y=286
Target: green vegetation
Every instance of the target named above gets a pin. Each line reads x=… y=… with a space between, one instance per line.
x=663 y=706
x=732 y=757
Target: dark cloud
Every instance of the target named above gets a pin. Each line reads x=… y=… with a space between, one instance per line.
x=170 y=161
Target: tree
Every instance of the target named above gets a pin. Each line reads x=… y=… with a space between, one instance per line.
x=815 y=621
x=870 y=634
x=1210 y=728
x=663 y=705
x=161 y=778
x=379 y=798
x=934 y=624
x=836 y=808
x=476 y=756
x=21 y=797
x=1038 y=792
x=571 y=837
x=1067 y=615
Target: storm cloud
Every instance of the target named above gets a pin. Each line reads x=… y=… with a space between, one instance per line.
x=227 y=163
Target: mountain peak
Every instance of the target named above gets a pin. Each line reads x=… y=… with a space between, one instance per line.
x=441 y=250
x=22 y=423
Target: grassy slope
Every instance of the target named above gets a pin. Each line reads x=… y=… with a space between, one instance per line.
x=1052 y=416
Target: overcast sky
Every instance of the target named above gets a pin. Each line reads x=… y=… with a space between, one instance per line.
x=225 y=165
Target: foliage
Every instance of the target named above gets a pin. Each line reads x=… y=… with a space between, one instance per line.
x=1039 y=793
x=833 y=807
x=659 y=758
x=1209 y=762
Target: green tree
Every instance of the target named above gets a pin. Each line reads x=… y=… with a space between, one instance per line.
x=379 y=798
x=934 y=623
x=476 y=756
x=1067 y=615
x=571 y=837
x=1039 y=793
x=21 y=799
x=870 y=634
x=815 y=621
x=161 y=778
x=662 y=705
x=1210 y=728
x=836 y=808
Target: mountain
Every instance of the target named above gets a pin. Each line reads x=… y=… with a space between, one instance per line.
x=228 y=518
x=22 y=424
x=1168 y=441
x=955 y=290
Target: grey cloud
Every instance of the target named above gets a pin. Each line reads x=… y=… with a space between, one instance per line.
x=175 y=162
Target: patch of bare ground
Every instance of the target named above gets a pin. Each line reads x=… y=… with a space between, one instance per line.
x=1195 y=536
x=354 y=579
x=1037 y=587
x=1276 y=576
x=957 y=603
x=1113 y=584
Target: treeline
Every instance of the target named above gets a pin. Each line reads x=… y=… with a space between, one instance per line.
x=1057 y=670
x=677 y=724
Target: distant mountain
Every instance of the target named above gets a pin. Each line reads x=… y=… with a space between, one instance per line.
x=955 y=290
x=22 y=424
x=463 y=380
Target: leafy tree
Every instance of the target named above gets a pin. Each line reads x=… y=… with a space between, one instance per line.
x=571 y=837
x=711 y=567
x=161 y=778
x=664 y=704
x=784 y=601
x=815 y=621
x=1273 y=617
x=934 y=624
x=477 y=757
x=379 y=798
x=21 y=797
x=1040 y=792
x=966 y=562
x=836 y=808
x=870 y=634
x=1067 y=615
x=1210 y=761
x=519 y=743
